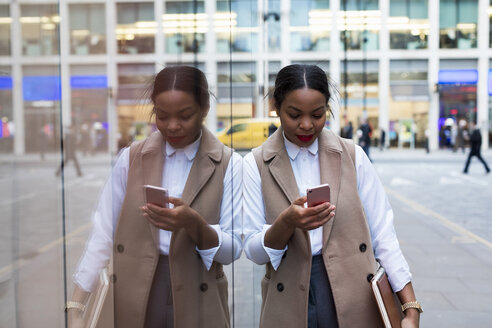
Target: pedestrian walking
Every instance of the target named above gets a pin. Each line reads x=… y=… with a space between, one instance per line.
x=168 y=260
x=348 y=131
x=382 y=140
x=364 y=134
x=475 y=145
x=317 y=262
x=70 y=152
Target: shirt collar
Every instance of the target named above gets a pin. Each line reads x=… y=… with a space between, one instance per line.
x=190 y=150
x=293 y=149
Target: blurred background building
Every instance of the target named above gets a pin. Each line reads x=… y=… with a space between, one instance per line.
x=413 y=68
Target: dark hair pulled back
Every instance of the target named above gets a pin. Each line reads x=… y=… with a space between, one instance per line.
x=296 y=76
x=183 y=78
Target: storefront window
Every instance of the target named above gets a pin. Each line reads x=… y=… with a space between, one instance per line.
x=133 y=103
x=136 y=27
x=185 y=24
x=6 y=112
x=87 y=29
x=359 y=23
x=88 y=84
x=408 y=24
x=5 y=22
x=41 y=93
x=243 y=20
x=40 y=29
x=490 y=24
x=458 y=24
x=408 y=103
x=310 y=22
x=362 y=92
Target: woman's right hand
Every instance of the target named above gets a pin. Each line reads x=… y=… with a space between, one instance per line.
x=298 y=216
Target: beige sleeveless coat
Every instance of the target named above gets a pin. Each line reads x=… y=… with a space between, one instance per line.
x=347 y=249
x=199 y=296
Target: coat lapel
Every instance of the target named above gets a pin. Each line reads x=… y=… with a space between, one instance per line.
x=152 y=164
x=280 y=168
x=209 y=152
x=330 y=161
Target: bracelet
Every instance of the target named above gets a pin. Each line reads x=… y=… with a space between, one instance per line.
x=75 y=305
x=412 y=305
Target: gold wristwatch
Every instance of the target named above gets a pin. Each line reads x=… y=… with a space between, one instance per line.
x=412 y=305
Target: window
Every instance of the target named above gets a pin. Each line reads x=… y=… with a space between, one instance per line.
x=359 y=24
x=273 y=26
x=87 y=29
x=6 y=112
x=136 y=26
x=40 y=29
x=458 y=24
x=243 y=20
x=310 y=22
x=185 y=24
x=408 y=24
x=362 y=90
x=5 y=22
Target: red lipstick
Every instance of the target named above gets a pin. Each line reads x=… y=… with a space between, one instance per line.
x=305 y=138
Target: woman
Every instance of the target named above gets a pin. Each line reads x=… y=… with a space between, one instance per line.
x=167 y=262
x=319 y=259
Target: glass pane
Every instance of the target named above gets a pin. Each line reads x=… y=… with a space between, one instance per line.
x=5 y=23
x=242 y=16
x=136 y=26
x=408 y=24
x=87 y=29
x=458 y=24
x=359 y=24
x=359 y=89
x=409 y=92
x=310 y=25
x=185 y=24
x=40 y=29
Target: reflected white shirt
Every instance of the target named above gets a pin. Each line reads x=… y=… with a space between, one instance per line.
x=176 y=169
x=305 y=164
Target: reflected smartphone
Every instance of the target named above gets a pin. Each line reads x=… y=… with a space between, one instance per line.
x=318 y=195
x=156 y=195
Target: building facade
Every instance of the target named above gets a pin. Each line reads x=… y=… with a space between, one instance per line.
x=413 y=68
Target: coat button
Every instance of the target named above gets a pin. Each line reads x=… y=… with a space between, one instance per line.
x=203 y=287
x=280 y=287
x=120 y=248
x=362 y=247
x=369 y=277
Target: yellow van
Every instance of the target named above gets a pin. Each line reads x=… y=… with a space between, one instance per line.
x=248 y=133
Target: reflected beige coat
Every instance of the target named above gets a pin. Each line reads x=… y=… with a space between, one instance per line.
x=199 y=296
x=347 y=249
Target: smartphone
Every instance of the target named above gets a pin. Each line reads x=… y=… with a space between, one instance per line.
x=156 y=195
x=318 y=195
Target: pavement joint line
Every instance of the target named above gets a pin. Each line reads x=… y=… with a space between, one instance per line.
x=22 y=262
x=470 y=179
x=446 y=222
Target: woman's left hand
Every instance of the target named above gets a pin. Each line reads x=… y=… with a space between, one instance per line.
x=411 y=319
x=171 y=219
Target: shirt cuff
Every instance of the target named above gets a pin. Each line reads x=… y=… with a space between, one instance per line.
x=209 y=254
x=275 y=255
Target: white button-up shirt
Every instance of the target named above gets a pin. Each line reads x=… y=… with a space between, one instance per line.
x=305 y=164
x=177 y=166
